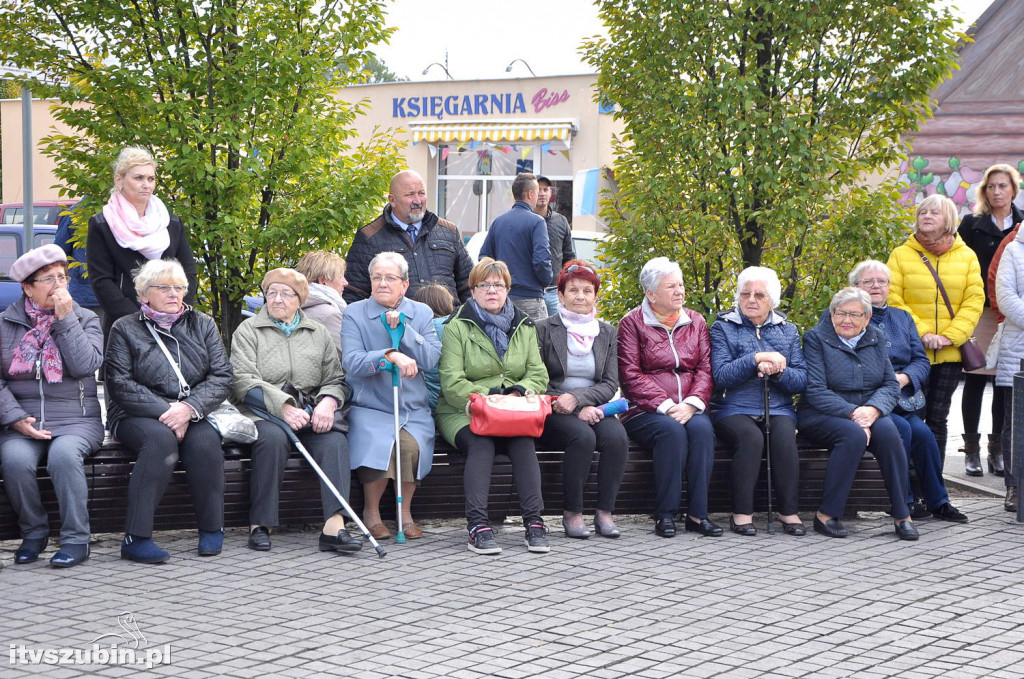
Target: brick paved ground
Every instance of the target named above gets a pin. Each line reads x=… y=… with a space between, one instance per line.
x=951 y=605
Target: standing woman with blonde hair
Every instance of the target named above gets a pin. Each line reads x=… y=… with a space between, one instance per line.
x=325 y=272
x=993 y=219
x=935 y=247
x=133 y=228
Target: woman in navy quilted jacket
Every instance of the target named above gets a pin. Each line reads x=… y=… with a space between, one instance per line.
x=752 y=344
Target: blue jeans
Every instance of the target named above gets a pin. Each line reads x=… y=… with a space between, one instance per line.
x=551 y=299
x=64 y=463
x=920 y=445
x=674 y=446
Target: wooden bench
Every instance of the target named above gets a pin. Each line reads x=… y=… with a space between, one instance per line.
x=440 y=495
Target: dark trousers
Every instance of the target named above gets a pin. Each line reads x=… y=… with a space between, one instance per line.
x=270 y=458
x=476 y=478
x=971 y=402
x=158 y=451
x=1009 y=480
x=919 y=444
x=942 y=382
x=675 y=447
x=579 y=440
x=848 y=442
x=745 y=438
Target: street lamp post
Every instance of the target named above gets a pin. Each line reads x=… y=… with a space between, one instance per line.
x=508 y=69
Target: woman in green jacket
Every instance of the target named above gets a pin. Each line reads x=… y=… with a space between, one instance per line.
x=490 y=347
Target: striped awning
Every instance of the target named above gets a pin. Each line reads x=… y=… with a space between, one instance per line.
x=529 y=130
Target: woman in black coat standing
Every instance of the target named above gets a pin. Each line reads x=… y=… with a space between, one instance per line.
x=993 y=218
x=133 y=228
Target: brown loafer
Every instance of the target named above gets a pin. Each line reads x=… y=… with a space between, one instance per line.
x=379 y=531
x=412 y=531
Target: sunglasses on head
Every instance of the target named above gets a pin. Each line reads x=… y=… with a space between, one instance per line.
x=576 y=267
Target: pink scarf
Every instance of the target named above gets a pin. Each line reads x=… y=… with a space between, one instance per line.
x=581 y=329
x=164 y=320
x=146 y=235
x=38 y=344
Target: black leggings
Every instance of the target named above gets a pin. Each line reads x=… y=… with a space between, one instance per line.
x=476 y=478
x=579 y=440
x=971 y=402
x=745 y=438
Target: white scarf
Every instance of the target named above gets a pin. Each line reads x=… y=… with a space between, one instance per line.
x=146 y=235
x=327 y=294
x=581 y=329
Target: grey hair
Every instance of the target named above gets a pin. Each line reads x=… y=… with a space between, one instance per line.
x=157 y=270
x=656 y=269
x=867 y=265
x=394 y=258
x=760 y=274
x=850 y=295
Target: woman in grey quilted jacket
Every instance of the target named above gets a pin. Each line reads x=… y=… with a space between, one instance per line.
x=50 y=349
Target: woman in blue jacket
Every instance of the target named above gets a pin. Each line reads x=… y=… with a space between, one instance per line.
x=752 y=343
x=851 y=390
x=911 y=366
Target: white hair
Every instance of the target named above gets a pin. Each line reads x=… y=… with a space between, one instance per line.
x=393 y=257
x=868 y=265
x=761 y=274
x=156 y=270
x=655 y=270
x=849 y=295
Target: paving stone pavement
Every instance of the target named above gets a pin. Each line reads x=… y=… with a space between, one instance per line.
x=950 y=605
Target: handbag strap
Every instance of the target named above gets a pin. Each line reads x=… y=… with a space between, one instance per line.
x=183 y=388
x=938 y=282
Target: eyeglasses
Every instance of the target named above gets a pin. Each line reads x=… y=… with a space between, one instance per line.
x=854 y=315
x=759 y=296
x=281 y=294
x=164 y=289
x=390 y=280
x=490 y=286
x=50 y=280
x=576 y=267
x=872 y=282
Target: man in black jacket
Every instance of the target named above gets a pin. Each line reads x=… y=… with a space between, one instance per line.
x=559 y=239
x=431 y=245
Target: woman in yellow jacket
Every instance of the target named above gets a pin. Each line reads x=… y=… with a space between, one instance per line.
x=913 y=288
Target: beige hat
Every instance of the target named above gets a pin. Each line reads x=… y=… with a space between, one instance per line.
x=290 y=277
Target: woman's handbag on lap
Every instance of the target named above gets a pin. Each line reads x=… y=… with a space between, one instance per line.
x=508 y=414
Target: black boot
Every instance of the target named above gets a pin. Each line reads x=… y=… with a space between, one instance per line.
x=972 y=454
x=995 y=455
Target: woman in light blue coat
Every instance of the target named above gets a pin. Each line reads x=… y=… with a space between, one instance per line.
x=369 y=359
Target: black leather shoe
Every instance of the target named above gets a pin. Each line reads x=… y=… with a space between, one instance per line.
x=795 y=528
x=29 y=550
x=342 y=542
x=703 y=526
x=918 y=510
x=259 y=539
x=666 y=528
x=948 y=512
x=833 y=528
x=1009 y=504
x=742 y=528
x=906 y=530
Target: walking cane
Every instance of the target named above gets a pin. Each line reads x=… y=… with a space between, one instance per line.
x=768 y=451
x=254 y=400
x=396 y=334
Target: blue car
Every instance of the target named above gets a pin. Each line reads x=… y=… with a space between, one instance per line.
x=11 y=247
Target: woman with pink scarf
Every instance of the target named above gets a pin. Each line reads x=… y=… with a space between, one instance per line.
x=133 y=228
x=581 y=356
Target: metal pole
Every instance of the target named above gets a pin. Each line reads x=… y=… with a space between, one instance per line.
x=27 y=149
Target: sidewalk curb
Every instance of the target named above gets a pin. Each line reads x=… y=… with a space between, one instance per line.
x=963 y=484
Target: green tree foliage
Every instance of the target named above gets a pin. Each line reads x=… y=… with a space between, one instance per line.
x=237 y=100
x=378 y=72
x=755 y=134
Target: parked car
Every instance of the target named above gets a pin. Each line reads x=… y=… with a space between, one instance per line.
x=12 y=219
x=584 y=242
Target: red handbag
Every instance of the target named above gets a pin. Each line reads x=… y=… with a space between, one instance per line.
x=508 y=414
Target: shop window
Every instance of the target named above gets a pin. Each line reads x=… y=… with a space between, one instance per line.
x=475 y=179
